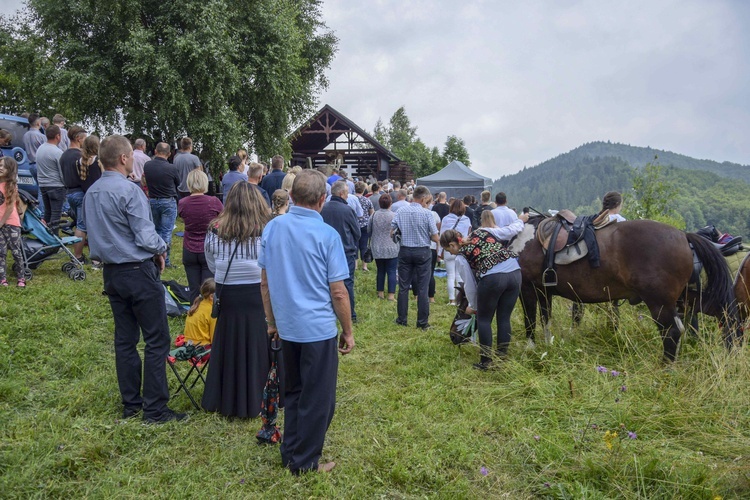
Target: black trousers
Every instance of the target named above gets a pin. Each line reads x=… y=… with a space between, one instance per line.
x=136 y=297
x=431 y=288
x=414 y=262
x=197 y=271
x=351 y=261
x=310 y=400
x=496 y=296
x=54 y=199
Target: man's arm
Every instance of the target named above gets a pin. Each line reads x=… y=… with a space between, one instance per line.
x=340 y=298
x=264 y=292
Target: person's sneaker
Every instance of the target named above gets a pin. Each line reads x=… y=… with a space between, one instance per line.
x=21 y=283
x=166 y=416
x=131 y=411
x=399 y=323
x=483 y=366
x=82 y=259
x=3 y=282
x=426 y=326
x=96 y=265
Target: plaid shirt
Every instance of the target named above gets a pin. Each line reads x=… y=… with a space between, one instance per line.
x=416 y=224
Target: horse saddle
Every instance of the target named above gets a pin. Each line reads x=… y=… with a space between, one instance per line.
x=566 y=238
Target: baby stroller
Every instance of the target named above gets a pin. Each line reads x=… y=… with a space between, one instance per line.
x=39 y=243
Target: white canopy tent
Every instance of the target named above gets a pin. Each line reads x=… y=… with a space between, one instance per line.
x=456 y=180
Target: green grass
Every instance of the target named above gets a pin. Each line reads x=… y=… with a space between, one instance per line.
x=413 y=418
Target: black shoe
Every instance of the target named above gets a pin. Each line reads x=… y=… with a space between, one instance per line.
x=483 y=366
x=400 y=323
x=354 y=321
x=166 y=416
x=82 y=259
x=425 y=327
x=131 y=411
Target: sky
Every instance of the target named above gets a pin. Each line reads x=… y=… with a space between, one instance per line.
x=522 y=82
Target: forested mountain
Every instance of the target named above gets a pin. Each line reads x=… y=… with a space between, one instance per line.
x=578 y=179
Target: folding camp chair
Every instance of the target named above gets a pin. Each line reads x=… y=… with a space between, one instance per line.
x=197 y=357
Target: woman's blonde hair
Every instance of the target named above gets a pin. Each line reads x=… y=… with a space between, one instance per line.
x=488 y=219
x=208 y=288
x=279 y=199
x=288 y=181
x=90 y=150
x=245 y=214
x=197 y=181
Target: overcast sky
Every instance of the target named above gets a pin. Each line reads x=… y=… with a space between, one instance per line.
x=522 y=82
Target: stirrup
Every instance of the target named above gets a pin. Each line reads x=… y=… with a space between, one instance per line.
x=549 y=277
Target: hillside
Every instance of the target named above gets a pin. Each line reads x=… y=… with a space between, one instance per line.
x=578 y=179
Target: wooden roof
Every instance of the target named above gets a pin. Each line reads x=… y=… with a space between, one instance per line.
x=326 y=126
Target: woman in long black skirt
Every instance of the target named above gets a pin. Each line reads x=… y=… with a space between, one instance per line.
x=240 y=353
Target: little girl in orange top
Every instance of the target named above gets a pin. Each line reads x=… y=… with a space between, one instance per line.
x=199 y=325
x=10 y=222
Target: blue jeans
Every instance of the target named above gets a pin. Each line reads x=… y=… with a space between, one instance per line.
x=386 y=267
x=164 y=211
x=75 y=200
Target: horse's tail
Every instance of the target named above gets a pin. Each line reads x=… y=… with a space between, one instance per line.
x=718 y=293
x=717 y=296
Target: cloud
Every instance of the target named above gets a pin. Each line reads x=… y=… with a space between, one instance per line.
x=522 y=82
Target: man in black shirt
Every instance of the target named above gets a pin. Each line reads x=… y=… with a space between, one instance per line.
x=468 y=200
x=69 y=166
x=162 y=179
x=441 y=207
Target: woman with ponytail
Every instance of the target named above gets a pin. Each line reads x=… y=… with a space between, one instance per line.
x=279 y=202
x=492 y=281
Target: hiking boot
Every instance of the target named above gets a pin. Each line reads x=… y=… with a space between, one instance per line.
x=166 y=416
x=21 y=283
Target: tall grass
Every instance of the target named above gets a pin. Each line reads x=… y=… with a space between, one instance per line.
x=413 y=418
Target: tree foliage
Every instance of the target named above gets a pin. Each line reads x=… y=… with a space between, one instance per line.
x=455 y=149
x=225 y=72
x=400 y=136
x=688 y=199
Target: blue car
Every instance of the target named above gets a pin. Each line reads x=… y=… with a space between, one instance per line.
x=18 y=126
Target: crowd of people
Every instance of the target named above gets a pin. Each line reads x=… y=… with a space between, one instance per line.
x=273 y=256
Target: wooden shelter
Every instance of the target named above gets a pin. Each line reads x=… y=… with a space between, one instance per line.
x=330 y=138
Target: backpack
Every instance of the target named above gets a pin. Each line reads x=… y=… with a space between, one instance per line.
x=176 y=298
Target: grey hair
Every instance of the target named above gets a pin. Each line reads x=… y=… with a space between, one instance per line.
x=139 y=143
x=339 y=188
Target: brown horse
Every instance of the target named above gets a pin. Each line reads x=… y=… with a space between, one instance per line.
x=742 y=289
x=641 y=261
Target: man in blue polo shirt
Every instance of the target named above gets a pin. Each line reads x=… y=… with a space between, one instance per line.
x=302 y=282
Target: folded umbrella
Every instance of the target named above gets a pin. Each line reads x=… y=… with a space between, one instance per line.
x=269 y=407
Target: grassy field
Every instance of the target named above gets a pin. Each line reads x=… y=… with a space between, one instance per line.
x=413 y=418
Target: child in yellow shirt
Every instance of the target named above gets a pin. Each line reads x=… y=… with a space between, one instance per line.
x=199 y=325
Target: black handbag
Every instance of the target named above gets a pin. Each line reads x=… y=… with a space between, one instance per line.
x=216 y=308
x=396 y=236
x=367 y=256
